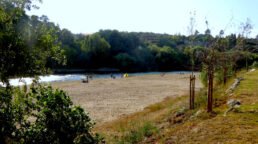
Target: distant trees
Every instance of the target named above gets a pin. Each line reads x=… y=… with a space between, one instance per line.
x=125 y=51
x=165 y=57
x=71 y=47
x=96 y=49
x=125 y=62
x=136 y=51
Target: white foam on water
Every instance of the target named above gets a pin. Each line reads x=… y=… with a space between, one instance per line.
x=43 y=79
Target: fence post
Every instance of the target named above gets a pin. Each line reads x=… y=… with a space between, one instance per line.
x=210 y=91
x=190 y=98
x=192 y=91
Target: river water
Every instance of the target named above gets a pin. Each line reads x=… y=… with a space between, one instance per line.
x=77 y=77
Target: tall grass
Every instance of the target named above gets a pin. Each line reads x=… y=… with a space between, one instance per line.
x=137 y=134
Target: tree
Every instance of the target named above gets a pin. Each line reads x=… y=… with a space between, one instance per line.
x=192 y=57
x=27 y=45
x=209 y=57
x=246 y=29
x=217 y=58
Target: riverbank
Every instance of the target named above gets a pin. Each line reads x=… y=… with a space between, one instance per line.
x=170 y=121
x=108 y=99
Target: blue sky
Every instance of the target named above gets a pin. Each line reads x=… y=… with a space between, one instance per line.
x=159 y=16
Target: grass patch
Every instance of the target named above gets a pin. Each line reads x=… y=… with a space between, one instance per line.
x=141 y=125
x=138 y=134
x=248 y=108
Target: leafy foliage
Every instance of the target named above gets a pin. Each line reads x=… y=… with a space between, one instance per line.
x=43 y=115
x=7 y=122
x=145 y=51
x=29 y=46
x=26 y=43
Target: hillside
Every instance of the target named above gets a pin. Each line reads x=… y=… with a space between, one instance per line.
x=171 y=122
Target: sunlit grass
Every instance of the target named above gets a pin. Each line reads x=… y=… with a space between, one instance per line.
x=141 y=124
x=155 y=124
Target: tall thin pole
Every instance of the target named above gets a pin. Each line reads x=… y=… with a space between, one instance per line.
x=193 y=89
x=190 y=92
x=210 y=90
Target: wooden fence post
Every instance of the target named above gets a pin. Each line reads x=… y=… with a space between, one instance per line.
x=210 y=91
x=192 y=91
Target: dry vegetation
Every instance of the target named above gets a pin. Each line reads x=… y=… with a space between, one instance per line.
x=169 y=122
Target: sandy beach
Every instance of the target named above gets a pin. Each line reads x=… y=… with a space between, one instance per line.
x=107 y=99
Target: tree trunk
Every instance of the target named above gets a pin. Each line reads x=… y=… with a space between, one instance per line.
x=192 y=91
x=246 y=64
x=225 y=70
x=210 y=90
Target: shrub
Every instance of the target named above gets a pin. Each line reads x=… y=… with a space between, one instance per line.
x=45 y=115
x=7 y=126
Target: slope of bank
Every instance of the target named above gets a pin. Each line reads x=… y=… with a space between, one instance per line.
x=170 y=121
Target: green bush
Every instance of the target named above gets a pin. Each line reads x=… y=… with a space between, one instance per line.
x=43 y=115
x=7 y=123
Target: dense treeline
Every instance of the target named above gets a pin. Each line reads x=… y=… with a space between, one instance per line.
x=124 y=51
x=138 y=51
x=42 y=43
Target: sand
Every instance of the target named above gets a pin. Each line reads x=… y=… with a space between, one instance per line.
x=108 y=99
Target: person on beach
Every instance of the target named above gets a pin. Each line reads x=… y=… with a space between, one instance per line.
x=126 y=75
x=113 y=76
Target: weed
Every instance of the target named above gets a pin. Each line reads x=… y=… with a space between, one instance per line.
x=138 y=133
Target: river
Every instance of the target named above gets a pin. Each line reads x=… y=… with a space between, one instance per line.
x=77 y=77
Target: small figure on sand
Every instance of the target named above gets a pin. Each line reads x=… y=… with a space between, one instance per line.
x=90 y=76
x=181 y=73
x=126 y=75
x=113 y=76
x=162 y=74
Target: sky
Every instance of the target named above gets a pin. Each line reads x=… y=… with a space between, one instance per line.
x=158 y=16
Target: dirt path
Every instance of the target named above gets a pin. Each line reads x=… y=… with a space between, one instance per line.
x=107 y=99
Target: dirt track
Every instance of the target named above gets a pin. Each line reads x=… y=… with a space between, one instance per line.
x=107 y=99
